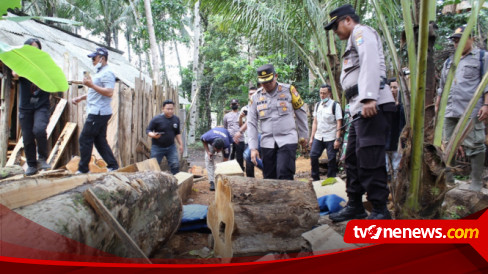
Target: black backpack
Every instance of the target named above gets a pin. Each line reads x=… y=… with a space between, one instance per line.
x=333 y=108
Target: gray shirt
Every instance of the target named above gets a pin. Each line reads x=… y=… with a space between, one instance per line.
x=364 y=65
x=276 y=114
x=466 y=80
x=231 y=123
x=95 y=102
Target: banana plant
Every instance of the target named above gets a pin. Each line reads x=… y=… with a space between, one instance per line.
x=36 y=65
x=30 y=62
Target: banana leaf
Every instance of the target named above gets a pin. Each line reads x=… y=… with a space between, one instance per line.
x=9 y=4
x=35 y=65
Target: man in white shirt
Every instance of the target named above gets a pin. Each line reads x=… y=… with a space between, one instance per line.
x=326 y=134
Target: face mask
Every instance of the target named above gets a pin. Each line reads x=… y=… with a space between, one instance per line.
x=98 y=65
x=234 y=107
x=325 y=100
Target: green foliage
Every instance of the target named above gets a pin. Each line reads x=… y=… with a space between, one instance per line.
x=35 y=65
x=8 y=4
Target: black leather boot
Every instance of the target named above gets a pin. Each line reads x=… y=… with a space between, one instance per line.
x=353 y=210
x=380 y=212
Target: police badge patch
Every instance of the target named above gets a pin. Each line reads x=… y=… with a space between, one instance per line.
x=359 y=40
x=175 y=125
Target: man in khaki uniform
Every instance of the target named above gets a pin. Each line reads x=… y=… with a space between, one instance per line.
x=275 y=106
x=469 y=72
x=363 y=78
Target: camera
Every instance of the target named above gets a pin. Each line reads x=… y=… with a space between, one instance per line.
x=245 y=112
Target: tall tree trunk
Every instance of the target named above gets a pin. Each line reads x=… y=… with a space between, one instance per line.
x=177 y=57
x=163 y=61
x=196 y=76
x=116 y=38
x=108 y=37
x=127 y=37
x=152 y=42
x=4 y=113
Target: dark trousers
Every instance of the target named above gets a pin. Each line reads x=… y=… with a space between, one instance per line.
x=238 y=153
x=34 y=124
x=279 y=162
x=317 y=149
x=365 y=158
x=95 y=132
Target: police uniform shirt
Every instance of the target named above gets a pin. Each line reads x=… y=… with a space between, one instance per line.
x=364 y=65
x=466 y=80
x=276 y=115
x=167 y=127
x=327 y=121
x=95 y=102
x=231 y=123
x=218 y=132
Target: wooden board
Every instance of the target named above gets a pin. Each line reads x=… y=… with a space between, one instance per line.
x=61 y=144
x=148 y=165
x=49 y=130
x=229 y=168
x=185 y=184
x=14 y=194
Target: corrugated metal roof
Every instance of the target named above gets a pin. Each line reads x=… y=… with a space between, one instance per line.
x=58 y=43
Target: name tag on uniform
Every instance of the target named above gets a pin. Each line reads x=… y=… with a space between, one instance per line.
x=262 y=106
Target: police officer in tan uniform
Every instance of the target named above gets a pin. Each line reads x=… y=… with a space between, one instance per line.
x=275 y=106
x=469 y=72
x=363 y=78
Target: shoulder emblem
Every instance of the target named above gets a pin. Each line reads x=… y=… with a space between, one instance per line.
x=296 y=101
x=359 y=40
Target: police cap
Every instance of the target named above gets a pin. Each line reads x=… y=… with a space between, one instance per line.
x=99 y=51
x=266 y=73
x=337 y=13
x=458 y=32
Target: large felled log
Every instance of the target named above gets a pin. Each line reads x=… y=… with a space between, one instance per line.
x=146 y=204
x=255 y=216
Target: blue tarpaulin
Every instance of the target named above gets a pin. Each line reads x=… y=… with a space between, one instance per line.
x=329 y=204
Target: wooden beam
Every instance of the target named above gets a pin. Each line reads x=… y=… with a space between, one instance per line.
x=14 y=194
x=4 y=115
x=49 y=130
x=101 y=210
x=61 y=144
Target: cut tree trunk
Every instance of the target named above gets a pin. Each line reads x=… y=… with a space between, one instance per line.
x=146 y=204
x=256 y=217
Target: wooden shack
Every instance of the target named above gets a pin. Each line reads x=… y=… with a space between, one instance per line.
x=135 y=102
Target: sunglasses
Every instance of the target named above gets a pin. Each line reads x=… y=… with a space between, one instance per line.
x=455 y=40
x=336 y=25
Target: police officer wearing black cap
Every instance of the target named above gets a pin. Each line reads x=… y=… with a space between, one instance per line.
x=276 y=105
x=98 y=97
x=363 y=79
x=469 y=72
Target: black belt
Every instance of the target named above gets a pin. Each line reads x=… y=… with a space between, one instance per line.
x=353 y=91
